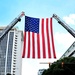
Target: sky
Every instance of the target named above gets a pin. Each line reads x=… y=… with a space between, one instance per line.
x=65 y=9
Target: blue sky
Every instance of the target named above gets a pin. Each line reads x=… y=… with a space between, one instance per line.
x=65 y=9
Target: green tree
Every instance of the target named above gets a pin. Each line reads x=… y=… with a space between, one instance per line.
x=61 y=67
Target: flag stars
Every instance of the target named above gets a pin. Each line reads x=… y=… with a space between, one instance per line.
x=31 y=24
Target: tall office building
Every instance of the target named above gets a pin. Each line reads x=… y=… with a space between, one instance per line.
x=11 y=52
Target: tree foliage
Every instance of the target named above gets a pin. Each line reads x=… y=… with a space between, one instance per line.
x=61 y=67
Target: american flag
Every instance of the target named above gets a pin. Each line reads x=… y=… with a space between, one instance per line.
x=38 y=38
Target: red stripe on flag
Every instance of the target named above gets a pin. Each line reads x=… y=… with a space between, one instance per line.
x=43 y=39
x=33 y=46
x=24 y=47
x=38 y=45
x=48 y=38
x=54 y=54
x=28 y=56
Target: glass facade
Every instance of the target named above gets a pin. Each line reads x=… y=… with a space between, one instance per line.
x=9 y=55
x=6 y=45
x=3 y=47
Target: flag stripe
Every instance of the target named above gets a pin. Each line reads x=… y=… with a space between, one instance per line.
x=24 y=47
x=28 y=56
x=33 y=46
x=52 y=38
x=48 y=40
x=38 y=45
x=43 y=39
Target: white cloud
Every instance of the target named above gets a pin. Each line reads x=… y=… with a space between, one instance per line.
x=64 y=39
x=70 y=19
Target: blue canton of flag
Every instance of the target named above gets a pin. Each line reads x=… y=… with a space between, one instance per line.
x=32 y=24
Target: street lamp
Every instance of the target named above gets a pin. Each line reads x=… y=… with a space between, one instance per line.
x=62 y=64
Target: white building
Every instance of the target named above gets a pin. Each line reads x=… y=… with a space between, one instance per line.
x=70 y=52
x=11 y=52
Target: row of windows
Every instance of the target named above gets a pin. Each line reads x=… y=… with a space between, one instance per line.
x=15 y=54
x=9 y=56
